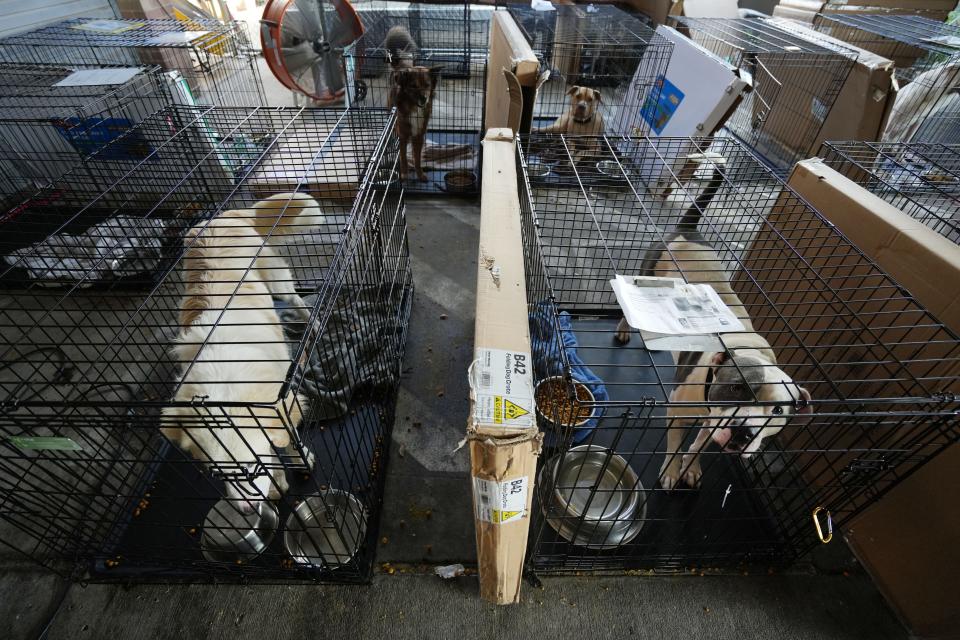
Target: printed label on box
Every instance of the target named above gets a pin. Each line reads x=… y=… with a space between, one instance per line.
x=501 y=502
x=503 y=388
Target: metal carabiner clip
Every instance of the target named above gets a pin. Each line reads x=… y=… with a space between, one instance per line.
x=816 y=522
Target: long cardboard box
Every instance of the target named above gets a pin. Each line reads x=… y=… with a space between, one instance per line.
x=859 y=111
x=512 y=75
x=502 y=429
x=807 y=10
x=910 y=540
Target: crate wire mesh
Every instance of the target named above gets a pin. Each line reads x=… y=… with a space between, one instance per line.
x=90 y=375
x=923 y=180
x=794 y=80
x=453 y=39
x=915 y=44
x=881 y=372
x=46 y=126
x=215 y=58
x=927 y=60
x=601 y=47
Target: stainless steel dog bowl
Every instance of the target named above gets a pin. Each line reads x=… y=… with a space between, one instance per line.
x=386 y=177
x=537 y=169
x=459 y=181
x=326 y=530
x=553 y=380
x=610 y=169
x=230 y=535
x=597 y=495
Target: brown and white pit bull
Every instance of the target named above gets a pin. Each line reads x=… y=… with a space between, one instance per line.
x=746 y=372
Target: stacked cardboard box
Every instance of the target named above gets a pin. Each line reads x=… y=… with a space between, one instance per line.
x=806 y=10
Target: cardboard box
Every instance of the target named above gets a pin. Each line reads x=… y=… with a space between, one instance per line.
x=661 y=10
x=513 y=75
x=908 y=541
x=799 y=264
x=697 y=94
x=807 y=10
x=859 y=111
x=502 y=429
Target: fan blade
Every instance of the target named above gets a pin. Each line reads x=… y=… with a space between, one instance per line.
x=311 y=20
x=294 y=26
x=299 y=57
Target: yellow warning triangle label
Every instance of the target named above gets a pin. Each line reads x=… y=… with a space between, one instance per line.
x=513 y=411
x=504 y=516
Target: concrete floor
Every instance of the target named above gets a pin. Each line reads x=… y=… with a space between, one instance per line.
x=428 y=521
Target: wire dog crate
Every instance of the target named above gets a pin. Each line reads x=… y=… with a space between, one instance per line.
x=147 y=432
x=454 y=42
x=864 y=392
x=923 y=180
x=795 y=82
x=599 y=47
x=214 y=57
x=927 y=67
x=915 y=44
x=51 y=117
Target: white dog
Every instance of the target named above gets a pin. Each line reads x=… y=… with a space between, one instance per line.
x=231 y=347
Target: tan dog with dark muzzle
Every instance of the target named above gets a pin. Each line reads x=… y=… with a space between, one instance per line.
x=746 y=373
x=582 y=118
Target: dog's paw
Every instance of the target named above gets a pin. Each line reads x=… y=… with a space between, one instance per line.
x=623 y=332
x=670 y=473
x=692 y=473
x=279 y=486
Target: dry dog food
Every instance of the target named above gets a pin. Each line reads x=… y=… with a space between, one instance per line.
x=555 y=401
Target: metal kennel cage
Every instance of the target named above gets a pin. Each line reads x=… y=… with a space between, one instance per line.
x=137 y=421
x=880 y=372
x=914 y=43
x=927 y=59
x=794 y=80
x=214 y=57
x=453 y=40
x=596 y=46
x=51 y=117
x=921 y=179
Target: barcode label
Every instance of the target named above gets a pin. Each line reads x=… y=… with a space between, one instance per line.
x=500 y=502
x=503 y=388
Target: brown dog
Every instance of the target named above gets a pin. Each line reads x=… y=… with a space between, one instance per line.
x=411 y=92
x=582 y=118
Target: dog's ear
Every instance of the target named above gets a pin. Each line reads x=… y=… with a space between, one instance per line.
x=805 y=396
x=573 y=90
x=596 y=95
x=719 y=358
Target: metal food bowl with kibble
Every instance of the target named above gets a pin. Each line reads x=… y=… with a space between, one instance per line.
x=231 y=536
x=325 y=531
x=596 y=501
x=553 y=397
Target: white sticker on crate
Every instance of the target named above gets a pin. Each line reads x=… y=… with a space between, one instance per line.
x=667 y=307
x=98 y=77
x=503 y=388
x=501 y=502
x=176 y=37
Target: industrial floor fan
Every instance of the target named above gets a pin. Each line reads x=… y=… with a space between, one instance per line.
x=302 y=42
